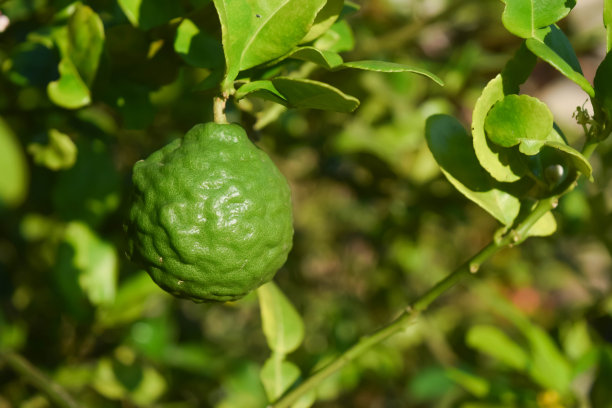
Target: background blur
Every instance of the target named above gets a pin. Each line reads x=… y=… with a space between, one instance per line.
x=376 y=224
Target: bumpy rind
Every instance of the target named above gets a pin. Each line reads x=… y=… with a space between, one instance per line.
x=211 y=218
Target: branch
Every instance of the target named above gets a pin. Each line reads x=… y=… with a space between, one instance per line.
x=515 y=235
x=56 y=394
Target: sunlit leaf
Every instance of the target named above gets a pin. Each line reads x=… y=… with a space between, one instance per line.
x=524 y=17
x=254 y=33
x=549 y=366
x=69 y=91
x=503 y=164
x=519 y=120
x=545 y=226
x=13 y=168
x=85 y=42
x=58 y=153
x=277 y=375
x=93 y=260
x=338 y=38
x=326 y=17
x=452 y=148
x=282 y=325
x=475 y=385
x=196 y=47
x=147 y=14
x=495 y=343
x=551 y=45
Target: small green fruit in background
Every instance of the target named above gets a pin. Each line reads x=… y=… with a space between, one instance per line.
x=211 y=218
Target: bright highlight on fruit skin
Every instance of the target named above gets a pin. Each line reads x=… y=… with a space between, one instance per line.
x=211 y=218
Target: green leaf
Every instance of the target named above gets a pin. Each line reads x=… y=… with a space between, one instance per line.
x=277 y=375
x=93 y=260
x=518 y=69
x=338 y=38
x=452 y=149
x=254 y=33
x=601 y=392
x=519 y=120
x=300 y=93
x=264 y=89
x=503 y=164
x=603 y=85
x=196 y=47
x=607 y=15
x=477 y=386
x=326 y=17
x=524 y=17
x=492 y=341
x=13 y=168
x=57 y=154
x=69 y=91
x=383 y=66
x=551 y=45
x=545 y=226
x=147 y=14
x=130 y=301
x=548 y=367
x=326 y=59
x=85 y=42
x=282 y=325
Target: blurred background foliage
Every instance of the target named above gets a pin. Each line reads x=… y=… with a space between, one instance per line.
x=375 y=222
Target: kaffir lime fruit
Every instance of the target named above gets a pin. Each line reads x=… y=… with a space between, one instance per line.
x=211 y=217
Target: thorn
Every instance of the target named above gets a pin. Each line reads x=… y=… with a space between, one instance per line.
x=474 y=267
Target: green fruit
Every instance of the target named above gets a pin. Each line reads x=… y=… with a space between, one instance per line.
x=211 y=219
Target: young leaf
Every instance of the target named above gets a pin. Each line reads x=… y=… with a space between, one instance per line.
x=257 y=33
x=603 y=85
x=69 y=91
x=85 y=42
x=57 y=154
x=383 y=66
x=147 y=14
x=495 y=343
x=524 y=17
x=519 y=120
x=551 y=45
x=282 y=325
x=326 y=17
x=197 y=48
x=452 y=148
x=503 y=164
x=545 y=226
x=277 y=375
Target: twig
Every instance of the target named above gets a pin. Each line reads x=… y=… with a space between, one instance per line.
x=56 y=394
x=515 y=235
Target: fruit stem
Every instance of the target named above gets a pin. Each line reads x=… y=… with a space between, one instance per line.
x=56 y=394
x=219 y=108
